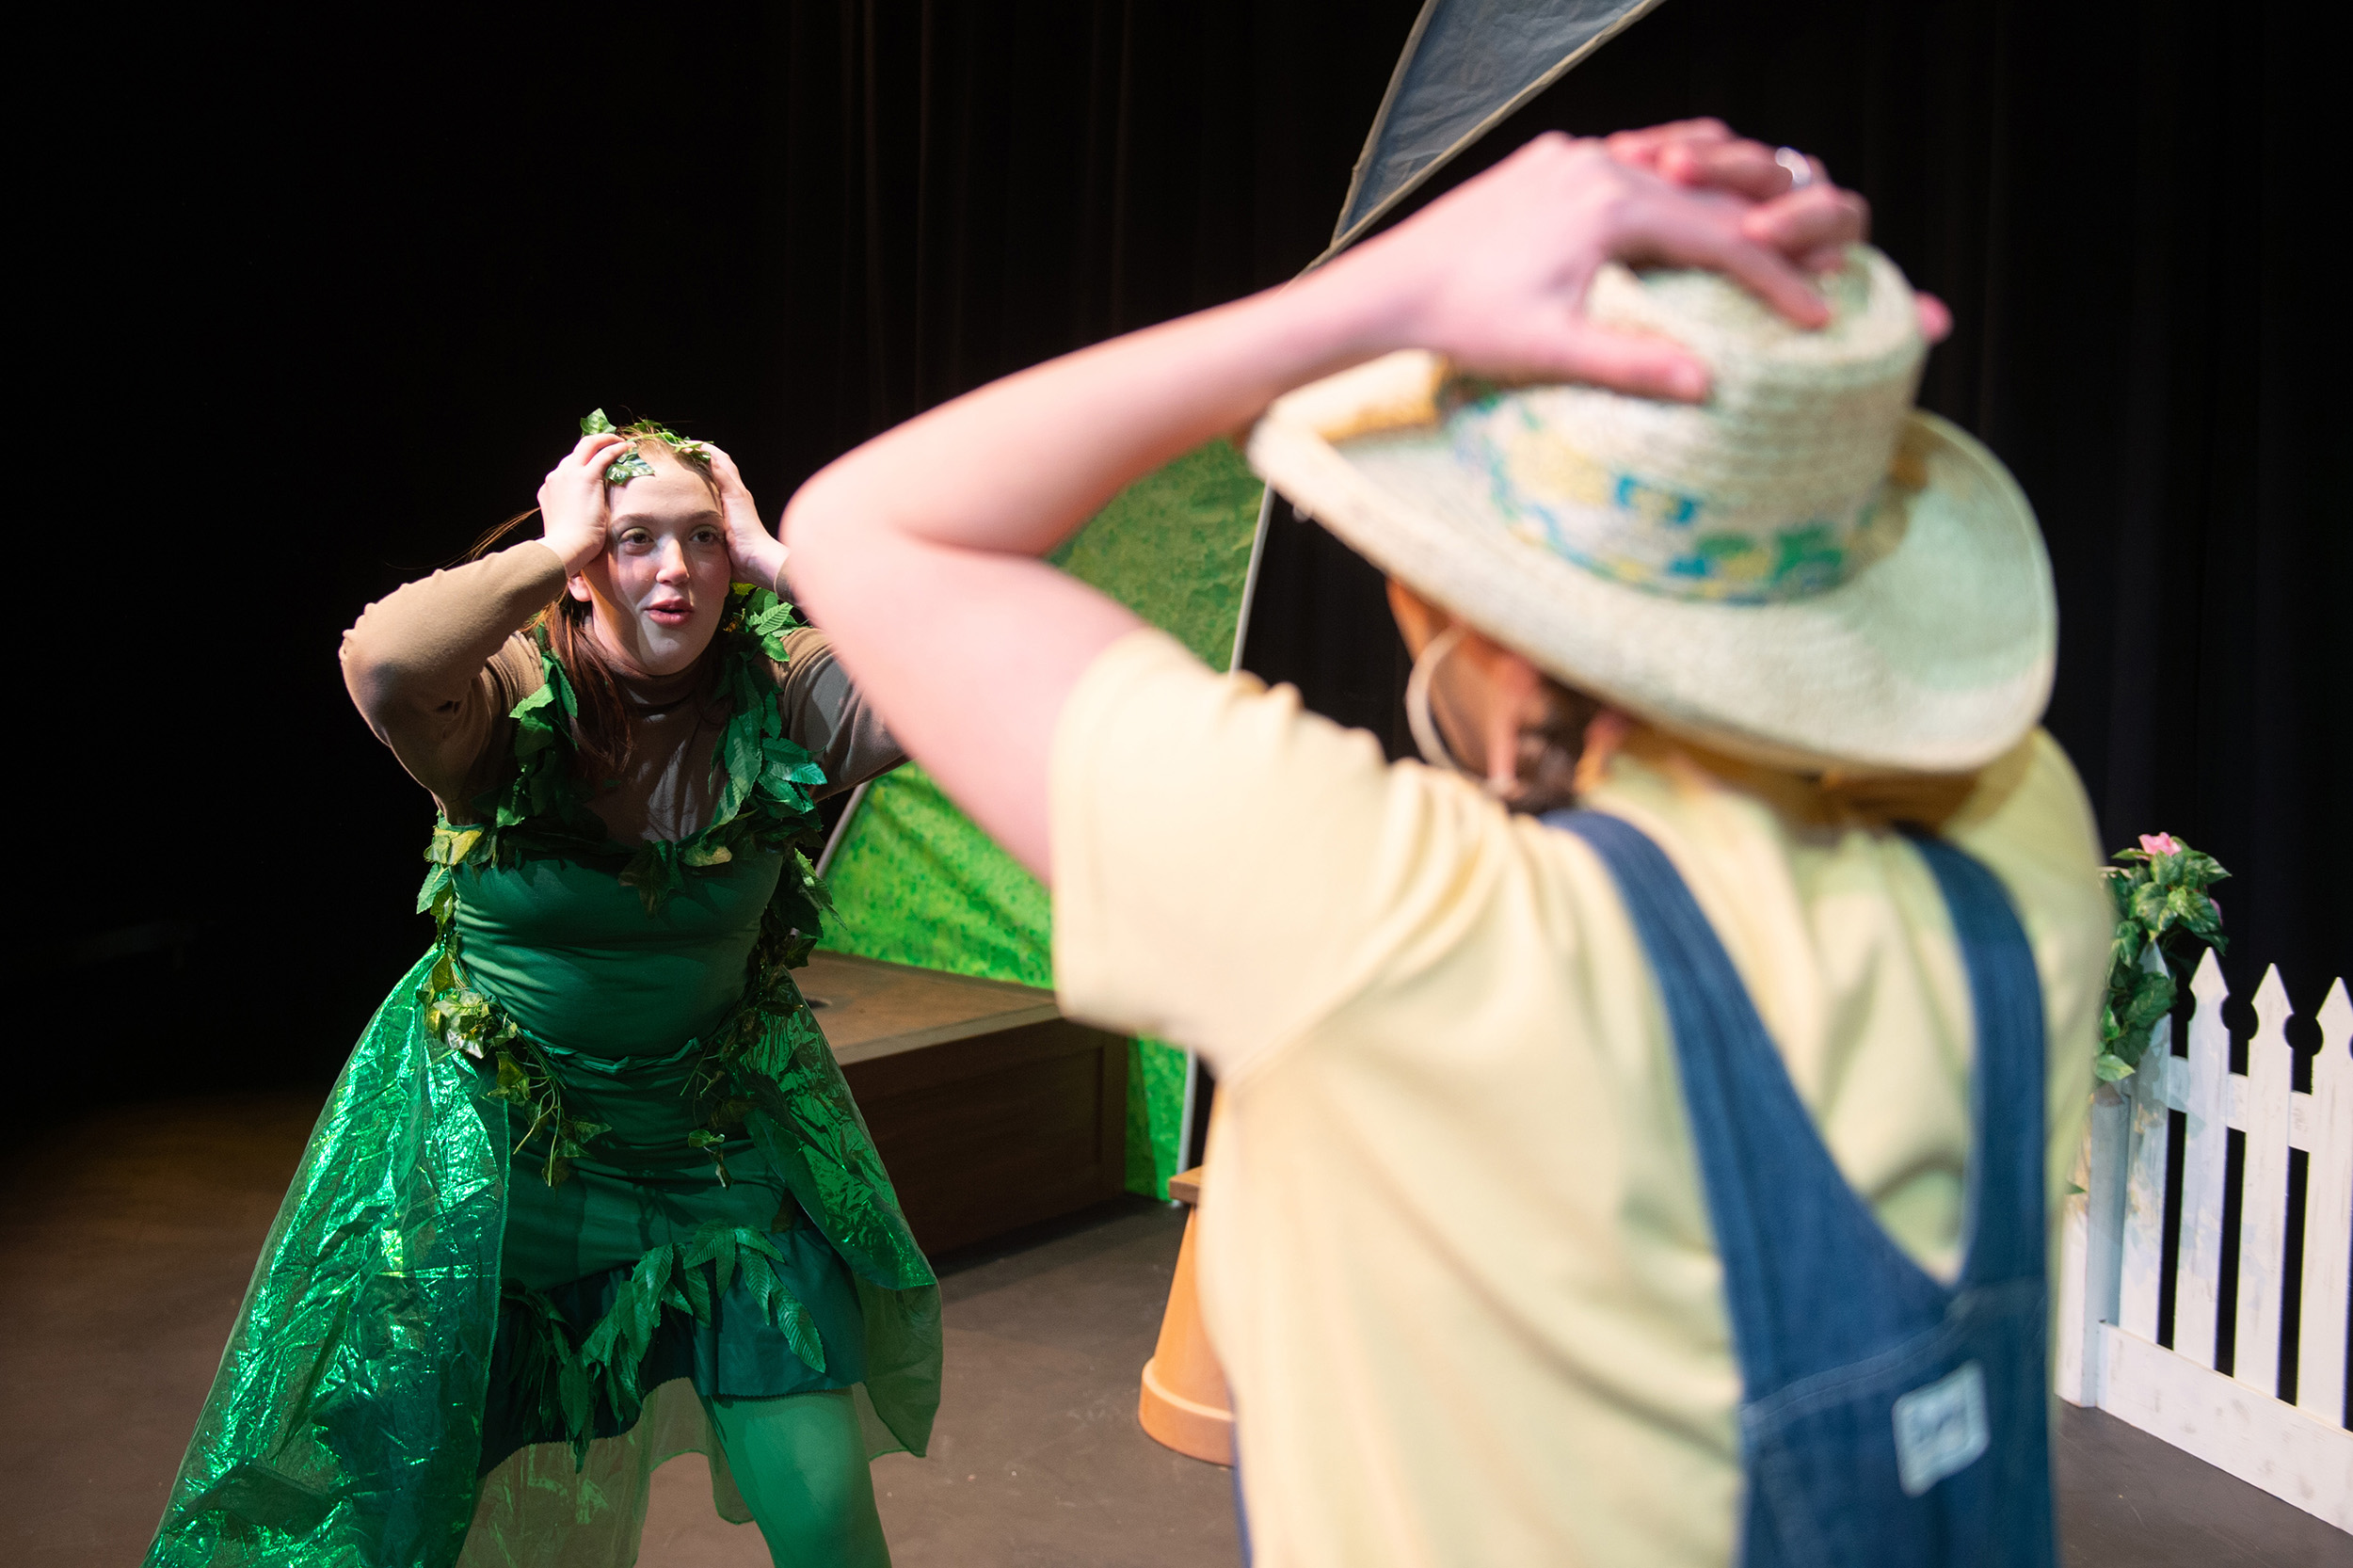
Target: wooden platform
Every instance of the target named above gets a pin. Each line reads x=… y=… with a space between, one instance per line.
x=992 y=1111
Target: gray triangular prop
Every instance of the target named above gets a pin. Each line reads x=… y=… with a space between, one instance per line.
x=1467 y=64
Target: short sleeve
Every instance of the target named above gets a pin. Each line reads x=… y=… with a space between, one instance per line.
x=826 y=714
x=2032 y=824
x=1229 y=868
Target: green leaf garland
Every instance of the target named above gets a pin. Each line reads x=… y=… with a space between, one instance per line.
x=630 y=465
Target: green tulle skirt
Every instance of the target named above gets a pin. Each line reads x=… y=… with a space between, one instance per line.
x=347 y=1424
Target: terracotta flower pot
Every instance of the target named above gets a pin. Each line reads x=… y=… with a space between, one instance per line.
x=1184 y=1404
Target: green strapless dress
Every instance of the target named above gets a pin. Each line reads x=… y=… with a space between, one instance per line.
x=590 y=1161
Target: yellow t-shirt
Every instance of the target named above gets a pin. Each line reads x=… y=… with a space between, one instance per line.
x=1455 y=1254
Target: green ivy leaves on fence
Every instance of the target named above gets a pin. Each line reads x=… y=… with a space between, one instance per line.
x=2163 y=914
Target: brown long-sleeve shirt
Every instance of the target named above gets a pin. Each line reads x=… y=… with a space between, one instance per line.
x=436 y=665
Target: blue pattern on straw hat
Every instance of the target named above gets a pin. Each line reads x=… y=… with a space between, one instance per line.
x=1639 y=492
x=1636 y=530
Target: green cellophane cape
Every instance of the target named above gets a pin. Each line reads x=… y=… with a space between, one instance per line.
x=346 y=1424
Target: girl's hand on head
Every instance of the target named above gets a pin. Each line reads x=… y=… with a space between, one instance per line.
x=573 y=515
x=754 y=554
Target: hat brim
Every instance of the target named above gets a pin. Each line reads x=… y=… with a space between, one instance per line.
x=1935 y=658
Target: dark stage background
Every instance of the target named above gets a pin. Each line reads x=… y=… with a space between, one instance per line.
x=316 y=298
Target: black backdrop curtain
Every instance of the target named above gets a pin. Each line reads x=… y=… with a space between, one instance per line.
x=318 y=297
x=321 y=295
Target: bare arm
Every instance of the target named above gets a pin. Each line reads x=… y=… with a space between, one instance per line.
x=918 y=551
x=825 y=711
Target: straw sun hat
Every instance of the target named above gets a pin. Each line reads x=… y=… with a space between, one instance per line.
x=1803 y=570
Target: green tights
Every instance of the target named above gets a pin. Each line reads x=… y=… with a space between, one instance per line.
x=800 y=1462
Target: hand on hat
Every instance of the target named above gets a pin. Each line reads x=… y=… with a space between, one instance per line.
x=1494 y=274
x=1812 y=222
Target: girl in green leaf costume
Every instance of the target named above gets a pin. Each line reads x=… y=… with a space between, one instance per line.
x=591 y=1191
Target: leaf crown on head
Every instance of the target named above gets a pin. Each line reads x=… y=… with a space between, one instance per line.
x=628 y=465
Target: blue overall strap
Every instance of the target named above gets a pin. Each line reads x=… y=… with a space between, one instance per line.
x=1885 y=1417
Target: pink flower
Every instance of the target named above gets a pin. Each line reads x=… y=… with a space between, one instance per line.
x=2160 y=843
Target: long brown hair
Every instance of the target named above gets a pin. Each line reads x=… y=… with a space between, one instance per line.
x=602 y=743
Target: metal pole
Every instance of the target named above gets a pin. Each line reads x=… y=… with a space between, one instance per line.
x=1250 y=578
x=1187 y=1118
x=842 y=826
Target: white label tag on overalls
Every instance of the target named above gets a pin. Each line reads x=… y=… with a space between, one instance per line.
x=1941 y=1429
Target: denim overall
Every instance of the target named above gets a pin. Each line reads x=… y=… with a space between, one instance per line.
x=1886 y=1419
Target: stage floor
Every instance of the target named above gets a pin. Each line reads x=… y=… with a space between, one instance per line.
x=127 y=1239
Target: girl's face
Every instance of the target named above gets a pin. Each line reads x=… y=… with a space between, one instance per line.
x=662 y=583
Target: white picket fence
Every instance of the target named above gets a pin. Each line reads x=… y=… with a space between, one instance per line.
x=2112 y=1262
